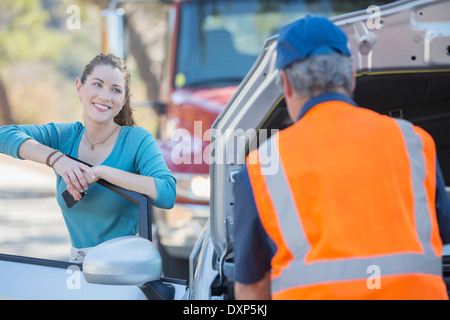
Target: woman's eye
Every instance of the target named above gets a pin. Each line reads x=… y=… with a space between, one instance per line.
x=117 y=90
x=97 y=84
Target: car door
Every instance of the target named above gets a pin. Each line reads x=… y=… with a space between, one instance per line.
x=39 y=279
x=37 y=275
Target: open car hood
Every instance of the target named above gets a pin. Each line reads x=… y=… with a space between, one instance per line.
x=399 y=39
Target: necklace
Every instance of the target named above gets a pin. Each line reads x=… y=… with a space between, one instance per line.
x=94 y=144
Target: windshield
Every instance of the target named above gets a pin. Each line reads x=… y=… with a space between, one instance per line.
x=220 y=40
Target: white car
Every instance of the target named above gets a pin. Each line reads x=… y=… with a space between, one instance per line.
x=401 y=52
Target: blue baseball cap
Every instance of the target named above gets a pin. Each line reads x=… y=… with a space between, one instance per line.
x=307 y=37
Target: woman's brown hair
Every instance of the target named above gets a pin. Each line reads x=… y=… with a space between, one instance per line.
x=125 y=116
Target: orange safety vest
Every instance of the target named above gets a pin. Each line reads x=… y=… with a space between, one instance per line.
x=351 y=207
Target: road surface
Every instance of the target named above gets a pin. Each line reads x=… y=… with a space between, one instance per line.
x=31 y=223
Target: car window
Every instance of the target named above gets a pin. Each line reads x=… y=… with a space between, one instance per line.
x=31 y=223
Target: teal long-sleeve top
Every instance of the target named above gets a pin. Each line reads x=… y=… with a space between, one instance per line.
x=101 y=215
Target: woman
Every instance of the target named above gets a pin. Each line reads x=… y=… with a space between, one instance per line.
x=119 y=152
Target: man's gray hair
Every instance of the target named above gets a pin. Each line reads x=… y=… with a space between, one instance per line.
x=320 y=74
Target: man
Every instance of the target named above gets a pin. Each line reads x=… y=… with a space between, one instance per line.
x=353 y=212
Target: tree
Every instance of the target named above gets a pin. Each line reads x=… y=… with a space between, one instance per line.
x=141 y=18
x=23 y=36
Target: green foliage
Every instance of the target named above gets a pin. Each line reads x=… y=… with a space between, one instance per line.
x=40 y=57
x=24 y=34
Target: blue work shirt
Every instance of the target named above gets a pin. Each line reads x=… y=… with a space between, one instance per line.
x=252 y=246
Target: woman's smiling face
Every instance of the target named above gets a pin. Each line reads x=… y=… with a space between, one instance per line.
x=102 y=94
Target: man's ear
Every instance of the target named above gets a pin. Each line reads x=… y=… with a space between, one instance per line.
x=286 y=85
x=353 y=79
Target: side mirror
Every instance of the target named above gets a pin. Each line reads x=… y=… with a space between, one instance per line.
x=129 y=260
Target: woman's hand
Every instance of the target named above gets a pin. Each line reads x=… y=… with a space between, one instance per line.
x=92 y=177
x=76 y=175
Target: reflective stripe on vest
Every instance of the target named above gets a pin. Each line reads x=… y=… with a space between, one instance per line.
x=298 y=273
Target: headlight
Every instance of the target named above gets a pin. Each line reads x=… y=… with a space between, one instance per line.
x=193 y=186
x=200 y=186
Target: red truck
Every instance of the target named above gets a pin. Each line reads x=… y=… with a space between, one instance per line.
x=211 y=45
